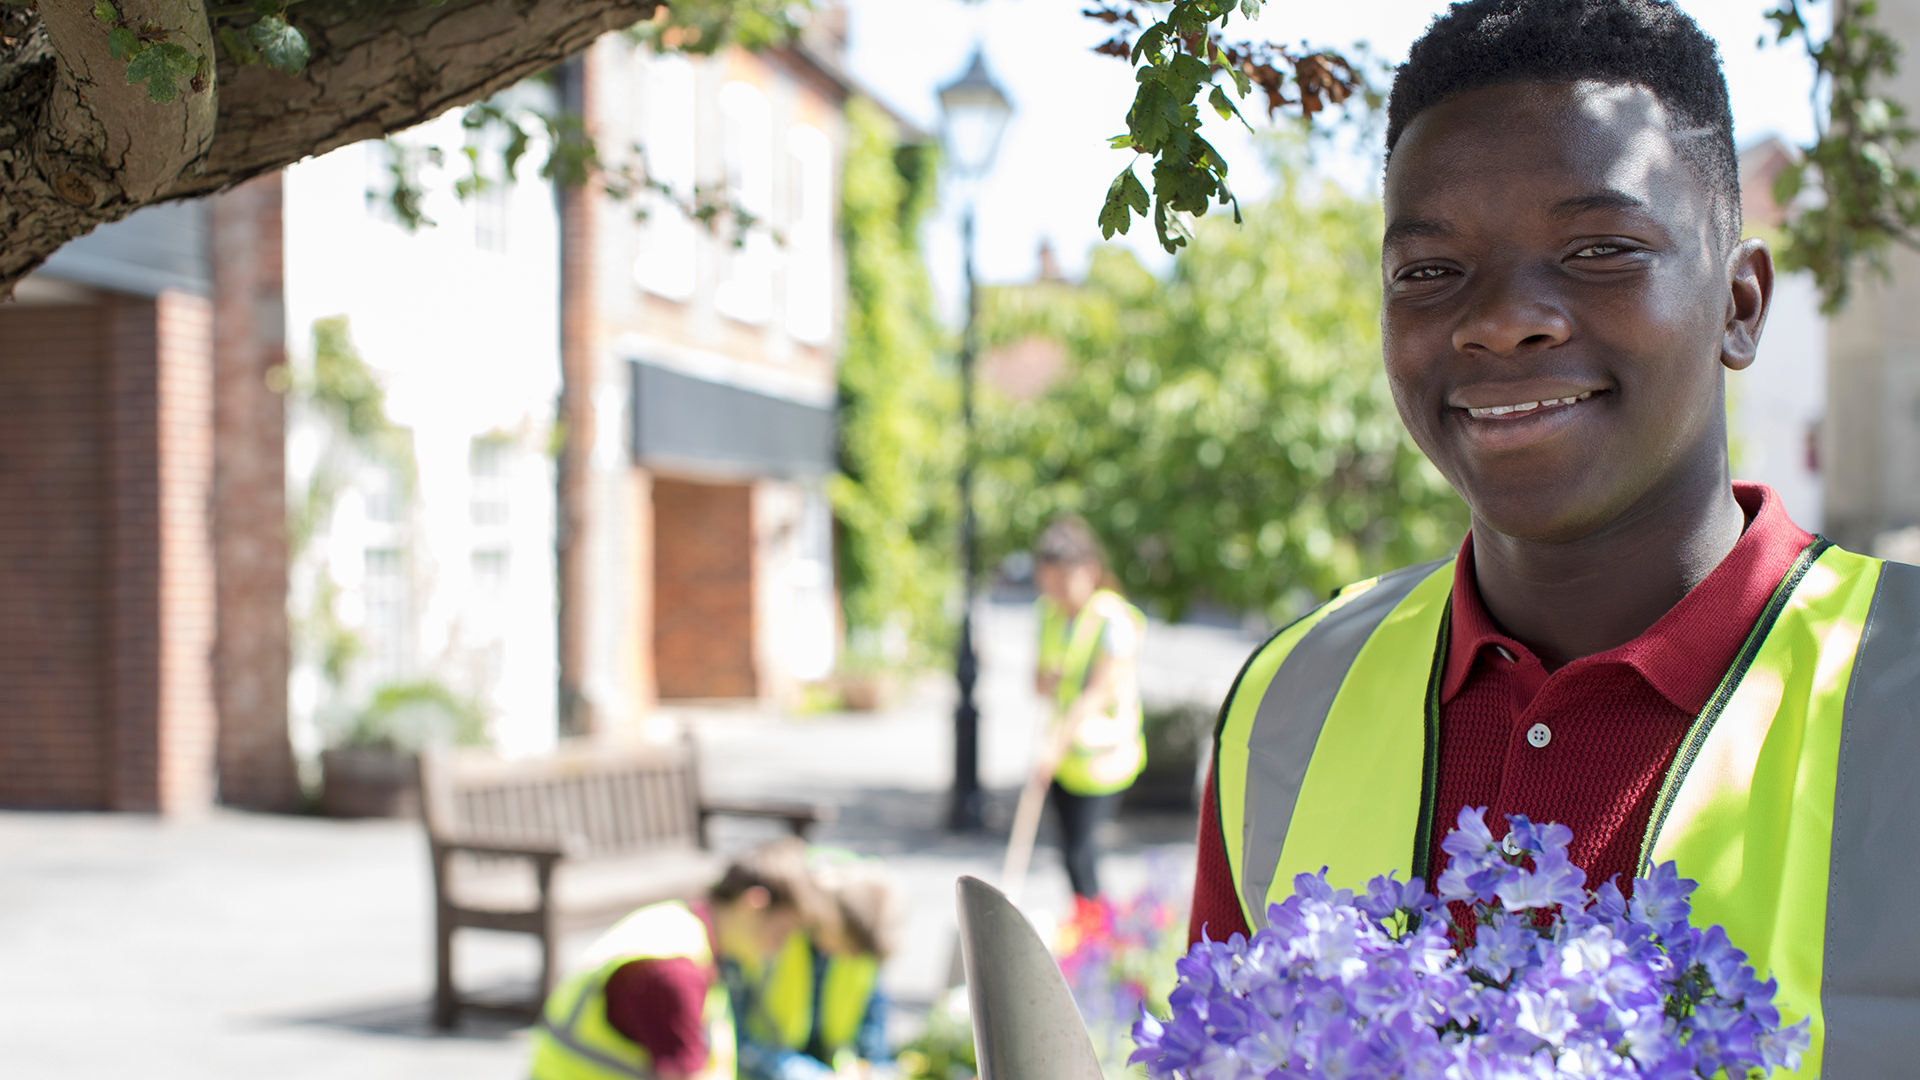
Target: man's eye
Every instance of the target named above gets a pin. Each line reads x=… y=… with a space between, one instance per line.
x=1597 y=251
x=1424 y=273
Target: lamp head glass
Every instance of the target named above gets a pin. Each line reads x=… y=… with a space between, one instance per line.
x=975 y=112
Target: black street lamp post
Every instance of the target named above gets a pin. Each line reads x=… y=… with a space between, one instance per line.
x=975 y=112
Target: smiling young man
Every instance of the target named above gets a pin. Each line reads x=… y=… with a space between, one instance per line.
x=1628 y=642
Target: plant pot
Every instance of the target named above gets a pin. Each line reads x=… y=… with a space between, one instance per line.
x=866 y=691
x=368 y=782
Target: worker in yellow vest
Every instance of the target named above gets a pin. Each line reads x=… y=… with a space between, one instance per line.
x=1089 y=651
x=1628 y=642
x=817 y=1009
x=650 y=1002
x=850 y=1006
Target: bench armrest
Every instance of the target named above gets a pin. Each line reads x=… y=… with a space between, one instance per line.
x=547 y=851
x=800 y=817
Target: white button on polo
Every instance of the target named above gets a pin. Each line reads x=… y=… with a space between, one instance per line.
x=1539 y=735
x=1508 y=845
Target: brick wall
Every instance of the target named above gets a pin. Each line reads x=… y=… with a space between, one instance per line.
x=106 y=568
x=53 y=556
x=703 y=587
x=161 y=714
x=251 y=649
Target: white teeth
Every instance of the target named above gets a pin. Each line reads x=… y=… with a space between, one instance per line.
x=1526 y=406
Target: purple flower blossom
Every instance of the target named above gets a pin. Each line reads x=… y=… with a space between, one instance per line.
x=1558 y=981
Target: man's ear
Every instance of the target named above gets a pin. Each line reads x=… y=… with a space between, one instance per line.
x=1749 y=295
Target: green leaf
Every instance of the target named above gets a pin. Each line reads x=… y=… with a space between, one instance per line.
x=1218 y=99
x=150 y=66
x=105 y=11
x=1120 y=142
x=1188 y=69
x=1114 y=213
x=1134 y=192
x=281 y=45
x=265 y=8
x=1241 y=81
x=122 y=43
x=237 y=48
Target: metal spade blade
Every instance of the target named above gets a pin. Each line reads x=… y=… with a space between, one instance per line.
x=1025 y=1025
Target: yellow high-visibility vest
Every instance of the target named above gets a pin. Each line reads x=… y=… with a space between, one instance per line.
x=574 y=1040
x=783 y=1007
x=846 y=992
x=1794 y=800
x=1109 y=751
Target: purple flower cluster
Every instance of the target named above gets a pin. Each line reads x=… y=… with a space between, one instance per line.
x=1557 y=982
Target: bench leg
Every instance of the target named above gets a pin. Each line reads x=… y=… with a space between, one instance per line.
x=549 y=960
x=446 y=1002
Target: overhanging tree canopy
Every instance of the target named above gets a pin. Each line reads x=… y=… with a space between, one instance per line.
x=85 y=138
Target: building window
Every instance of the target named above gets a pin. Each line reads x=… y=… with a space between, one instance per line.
x=746 y=130
x=491 y=502
x=384 y=491
x=388 y=595
x=810 y=236
x=491 y=213
x=667 y=111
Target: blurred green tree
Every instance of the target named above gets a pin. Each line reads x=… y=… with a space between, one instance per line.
x=1229 y=431
x=899 y=406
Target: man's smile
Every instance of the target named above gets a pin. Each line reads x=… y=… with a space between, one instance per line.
x=1500 y=421
x=1524 y=408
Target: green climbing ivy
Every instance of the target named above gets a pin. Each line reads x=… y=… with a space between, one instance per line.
x=893 y=498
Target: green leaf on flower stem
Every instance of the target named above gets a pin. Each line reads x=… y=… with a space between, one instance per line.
x=281 y=45
x=105 y=11
x=1120 y=142
x=122 y=43
x=1250 y=8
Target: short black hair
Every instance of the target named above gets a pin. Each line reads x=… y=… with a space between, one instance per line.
x=1650 y=43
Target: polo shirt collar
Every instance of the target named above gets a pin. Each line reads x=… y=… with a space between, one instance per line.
x=1685 y=653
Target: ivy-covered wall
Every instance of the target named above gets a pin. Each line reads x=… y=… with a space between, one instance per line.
x=893 y=498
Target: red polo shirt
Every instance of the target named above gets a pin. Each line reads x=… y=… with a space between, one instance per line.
x=1586 y=745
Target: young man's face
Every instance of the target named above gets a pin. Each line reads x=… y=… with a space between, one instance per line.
x=1558 y=305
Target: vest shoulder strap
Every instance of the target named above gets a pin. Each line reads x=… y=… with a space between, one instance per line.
x=1272 y=720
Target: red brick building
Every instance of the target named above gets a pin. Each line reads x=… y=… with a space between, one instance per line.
x=143 y=632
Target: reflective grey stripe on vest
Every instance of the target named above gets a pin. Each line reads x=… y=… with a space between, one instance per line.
x=1870 y=982
x=565 y=1036
x=1288 y=722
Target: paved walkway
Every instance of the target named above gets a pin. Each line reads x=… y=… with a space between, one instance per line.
x=247 y=945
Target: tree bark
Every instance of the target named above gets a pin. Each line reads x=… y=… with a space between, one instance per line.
x=79 y=147
x=79 y=144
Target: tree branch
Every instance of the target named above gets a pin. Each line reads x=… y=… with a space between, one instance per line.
x=90 y=146
x=80 y=147
x=372 y=74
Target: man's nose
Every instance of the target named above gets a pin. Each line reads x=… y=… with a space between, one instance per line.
x=1510 y=312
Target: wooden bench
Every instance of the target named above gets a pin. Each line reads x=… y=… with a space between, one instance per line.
x=566 y=842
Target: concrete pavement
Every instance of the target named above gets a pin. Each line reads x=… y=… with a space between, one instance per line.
x=248 y=945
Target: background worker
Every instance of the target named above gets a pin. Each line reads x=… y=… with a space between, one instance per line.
x=652 y=1001
x=850 y=1007
x=816 y=1010
x=1088 y=666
